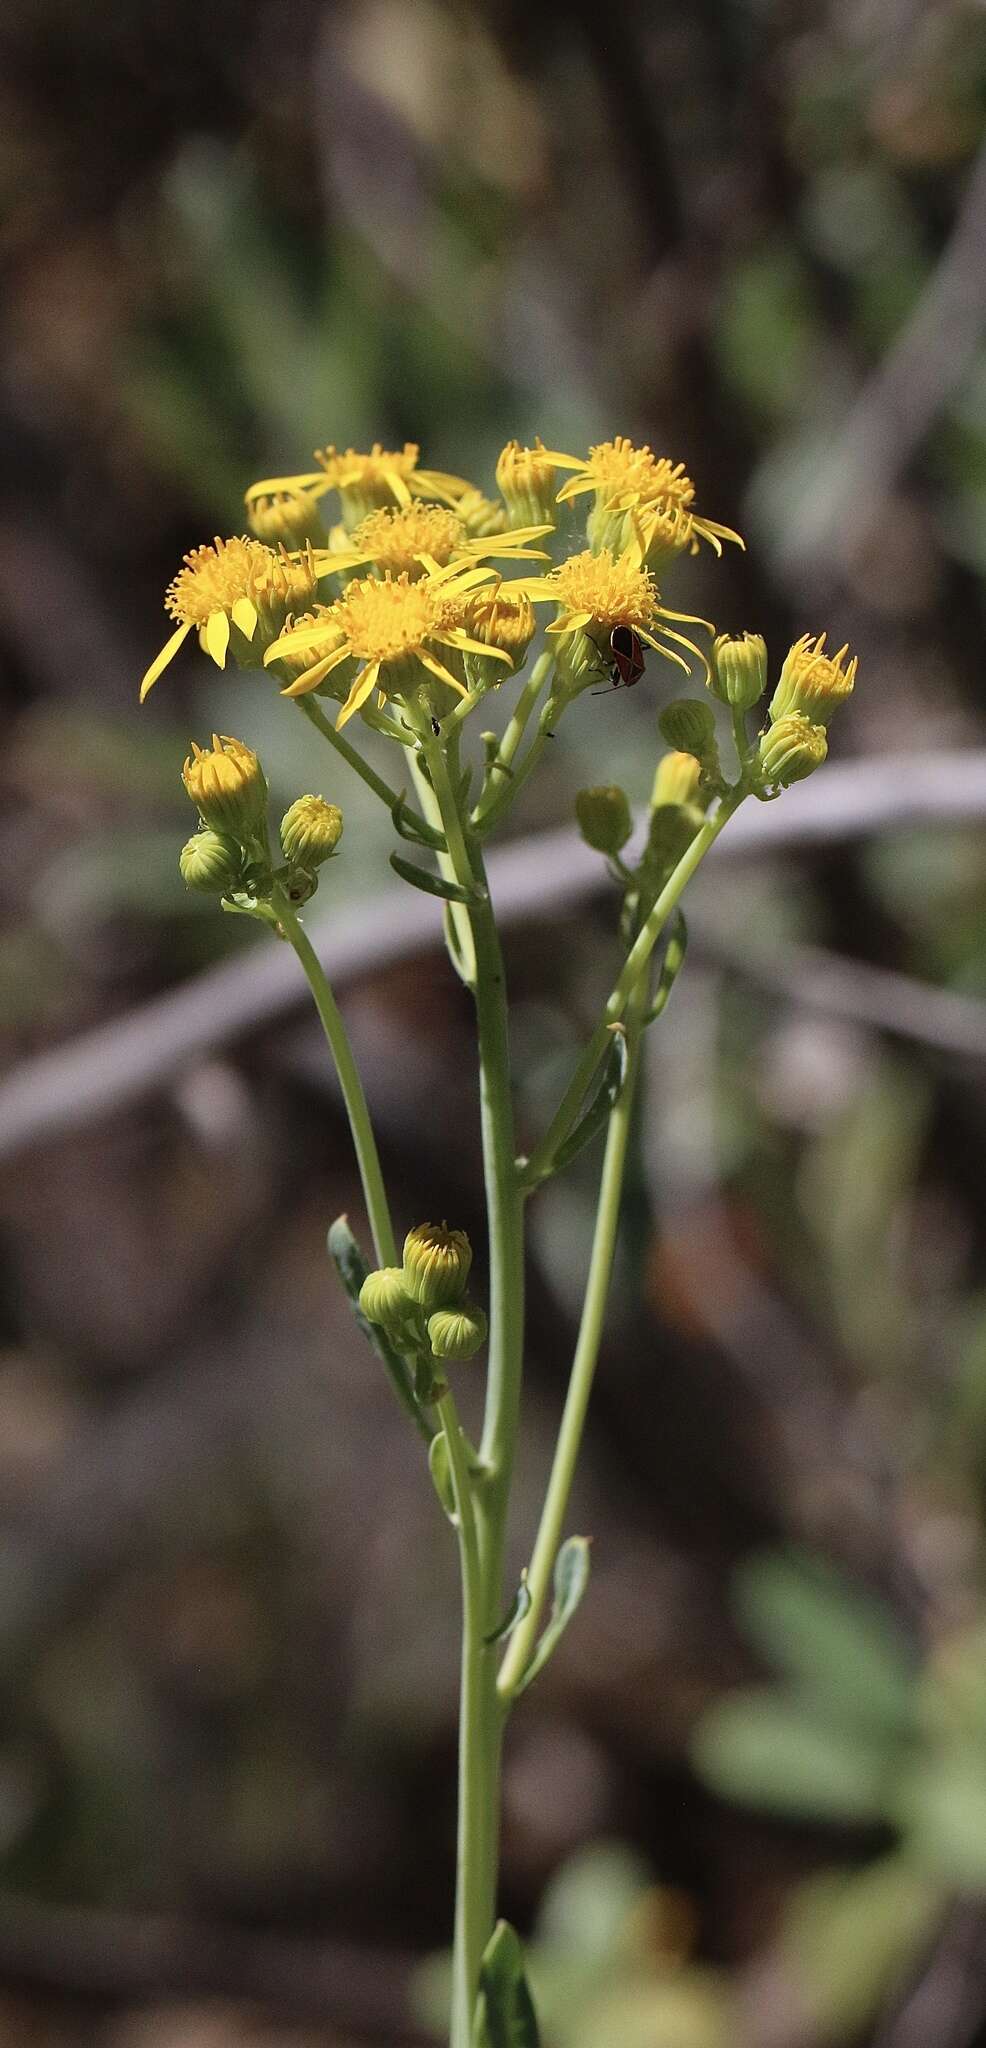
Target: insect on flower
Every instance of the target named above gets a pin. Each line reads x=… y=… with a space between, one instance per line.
x=626 y=659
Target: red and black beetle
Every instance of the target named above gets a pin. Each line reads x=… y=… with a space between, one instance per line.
x=626 y=659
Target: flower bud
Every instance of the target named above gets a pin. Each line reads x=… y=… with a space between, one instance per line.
x=457 y=1332
x=739 y=669
x=676 y=782
x=211 y=863
x=480 y=516
x=604 y=817
x=384 y=1300
x=526 y=481
x=790 y=749
x=503 y=622
x=229 y=786
x=689 y=727
x=436 y=1264
x=812 y=683
x=310 y=831
x=287 y=517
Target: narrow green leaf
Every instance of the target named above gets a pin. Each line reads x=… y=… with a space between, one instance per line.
x=674 y=955
x=433 y=885
x=352 y=1270
x=571 y=1580
x=414 y=828
x=440 y=1467
x=612 y=1076
x=505 y=2016
x=519 y=1606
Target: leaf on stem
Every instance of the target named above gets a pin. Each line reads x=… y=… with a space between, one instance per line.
x=674 y=955
x=505 y=2016
x=440 y=1467
x=433 y=885
x=519 y=1606
x=415 y=829
x=598 y=1108
x=571 y=1580
x=352 y=1269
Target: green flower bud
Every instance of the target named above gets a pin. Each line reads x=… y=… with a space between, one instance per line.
x=689 y=727
x=812 y=683
x=310 y=831
x=604 y=817
x=739 y=669
x=672 y=829
x=436 y=1264
x=211 y=862
x=677 y=779
x=790 y=749
x=457 y=1332
x=384 y=1299
x=229 y=786
x=526 y=482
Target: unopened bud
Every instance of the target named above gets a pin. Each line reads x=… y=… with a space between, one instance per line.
x=605 y=821
x=228 y=785
x=689 y=727
x=457 y=1332
x=310 y=831
x=739 y=669
x=677 y=779
x=526 y=481
x=211 y=862
x=436 y=1264
x=384 y=1300
x=790 y=749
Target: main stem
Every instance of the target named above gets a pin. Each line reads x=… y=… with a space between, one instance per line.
x=364 y=1142
x=481 y=1727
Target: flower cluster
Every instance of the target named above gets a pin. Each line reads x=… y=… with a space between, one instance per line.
x=422 y=1307
x=229 y=855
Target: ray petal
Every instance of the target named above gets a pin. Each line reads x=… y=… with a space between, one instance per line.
x=362 y=688
x=217 y=637
x=167 y=654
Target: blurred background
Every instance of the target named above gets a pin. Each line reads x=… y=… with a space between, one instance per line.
x=746 y=1804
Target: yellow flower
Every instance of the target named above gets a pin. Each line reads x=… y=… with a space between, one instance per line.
x=392 y=627
x=640 y=496
x=282 y=511
x=383 y=476
x=417 y=539
x=436 y=1264
x=238 y=594
x=594 y=593
x=526 y=481
x=502 y=617
x=228 y=785
x=791 y=748
x=676 y=780
x=812 y=683
x=480 y=516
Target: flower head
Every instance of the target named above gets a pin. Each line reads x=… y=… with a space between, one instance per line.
x=457 y=1333
x=640 y=496
x=211 y=862
x=604 y=816
x=739 y=669
x=310 y=831
x=237 y=594
x=479 y=515
x=393 y=627
x=415 y=539
x=812 y=682
x=791 y=748
x=282 y=512
x=500 y=619
x=526 y=481
x=228 y=785
x=382 y=476
x=595 y=592
x=436 y=1264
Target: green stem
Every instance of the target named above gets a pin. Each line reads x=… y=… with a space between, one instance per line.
x=552 y=1521
x=478 y=1751
x=497 y=789
x=453 y=866
x=540 y=1160
x=364 y=1142
x=505 y=1212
